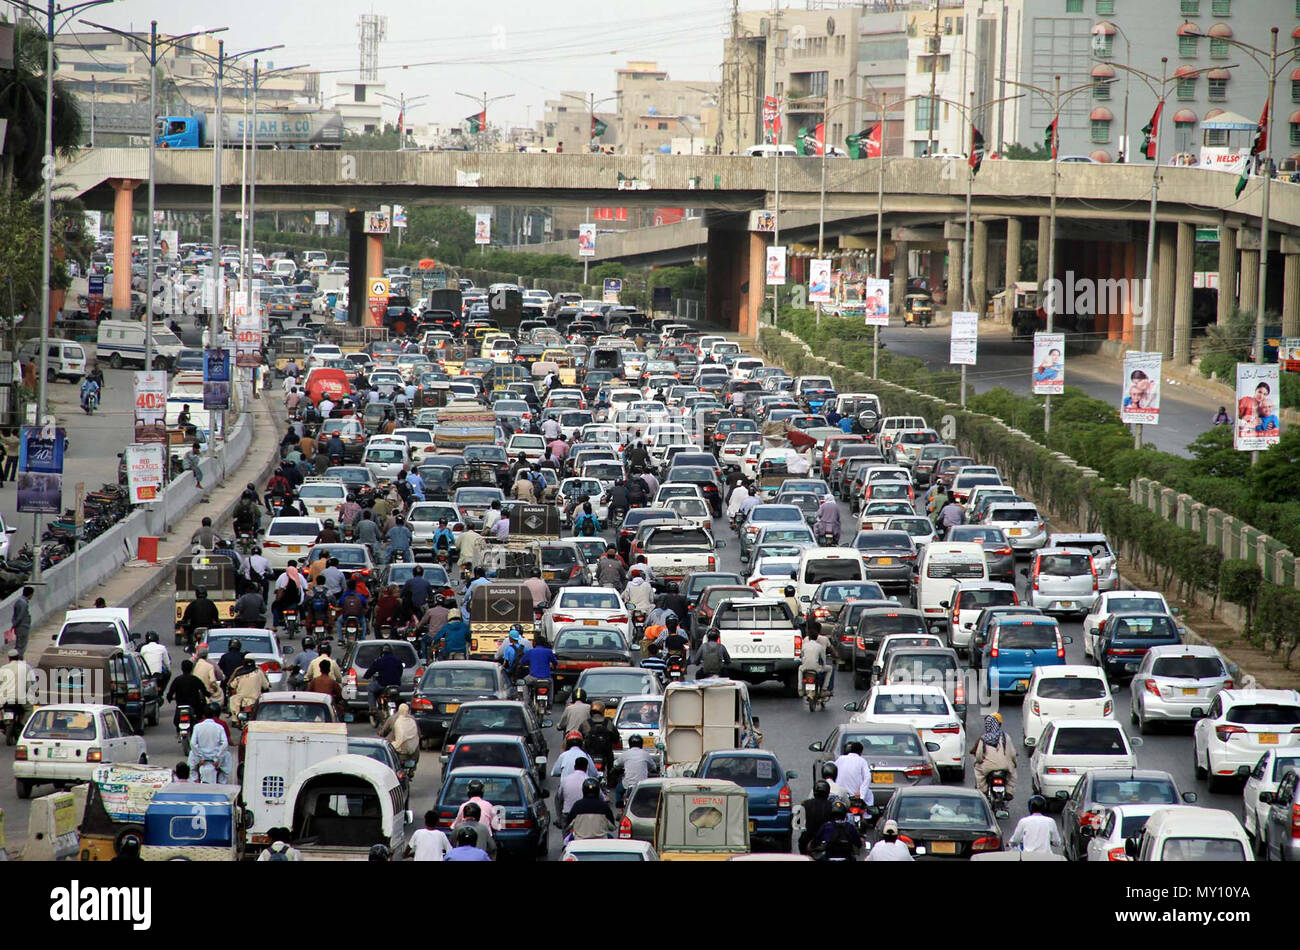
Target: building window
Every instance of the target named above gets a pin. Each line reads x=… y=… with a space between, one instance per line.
x=1295 y=90
x=1190 y=7
x=1073 y=6
x=1100 y=131
x=1101 y=89
x=1218 y=90
x=1183 y=133
x=947 y=26
x=1295 y=133
x=840 y=43
x=1105 y=7
x=961 y=23
x=1187 y=46
x=359 y=92
x=1218 y=48
x=924 y=117
x=1104 y=46
x=1187 y=89
x=1221 y=7
x=779 y=90
x=1216 y=138
x=925 y=64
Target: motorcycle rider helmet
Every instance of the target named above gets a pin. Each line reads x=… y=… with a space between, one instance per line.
x=214 y=710
x=326 y=649
x=839 y=811
x=1037 y=804
x=670 y=620
x=830 y=771
x=572 y=738
x=386 y=649
x=235 y=645
x=579 y=695
x=789 y=590
x=380 y=852
x=308 y=643
x=821 y=788
x=151 y=637
x=466 y=835
x=329 y=522
x=590 y=788
x=200 y=591
x=475 y=788
x=400 y=520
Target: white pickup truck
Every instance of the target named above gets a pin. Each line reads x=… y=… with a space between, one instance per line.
x=673 y=551
x=762 y=640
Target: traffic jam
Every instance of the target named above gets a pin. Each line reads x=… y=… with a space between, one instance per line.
x=572 y=582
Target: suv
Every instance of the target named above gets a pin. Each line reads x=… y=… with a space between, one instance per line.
x=1124 y=638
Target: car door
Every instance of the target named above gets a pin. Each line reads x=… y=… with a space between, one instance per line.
x=1200 y=733
x=829 y=752
x=1250 y=795
x=1070 y=813
x=1041 y=749
x=112 y=730
x=1279 y=816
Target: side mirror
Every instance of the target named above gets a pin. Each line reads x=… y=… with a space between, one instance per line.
x=851 y=707
x=1063 y=795
x=815 y=746
x=1067 y=640
x=1175 y=611
x=1131 y=847
x=791 y=774
x=794 y=576
x=348 y=717
x=409 y=816
x=1198 y=713
x=540 y=760
x=944 y=604
x=1267 y=798
x=1024 y=572
x=1189 y=798
x=754 y=720
x=1031 y=742
x=689 y=773
x=1087 y=831
x=806 y=598
x=1243 y=771
x=932 y=747
x=1137 y=741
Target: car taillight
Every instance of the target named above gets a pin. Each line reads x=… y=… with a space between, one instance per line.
x=993 y=651
x=1060 y=771
x=625 y=827
x=1036 y=708
x=561 y=618
x=798 y=646
x=1003 y=551
x=907 y=841
x=990 y=843
x=862 y=644
x=419 y=702
x=1036 y=566
x=1116 y=854
x=919 y=771
x=351 y=678
x=269 y=666
x=713 y=562
x=1060 y=648
x=270 y=544
x=1088 y=818
x=783 y=797
x=1107 y=708
x=947 y=729
x=1093 y=567
x=1151 y=687
x=94 y=755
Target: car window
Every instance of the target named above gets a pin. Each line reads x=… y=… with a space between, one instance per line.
x=892 y=743
x=1134 y=791
x=639 y=715
x=1071 y=687
x=1030 y=636
x=437 y=677
x=590 y=600
x=293 y=712
x=910 y=704
x=219 y=643
x=597 y=639
x=747 y=771
x=977 y=599
x=100 y=633
x=1136 y=604
x=1089 y=740
x=1145 y=628
x=1188 y=667
x=741 y=616
x=943 y=810
x=1263 y=714
x=1283 y=763
x=1063 y=565
x=499 y=790
x=618 y=684
x=833 y=569
x=490 y=719
x=955 y=570
x=468 y=755
x=1202 y=849
x=69 y=724
x=368 y=653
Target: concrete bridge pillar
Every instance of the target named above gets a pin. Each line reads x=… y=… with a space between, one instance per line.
x=1118 y=271
x=736 y=282
x=1182 y=343
x=750 y=266
x=898 y=291
x=123 y=209
x=1165 y=265
x=1248 y=295
x=1290 y=287
x=1044 y=232
x=979 y=265
x=954 y=274
x=1015 y=235
x=1227 y=271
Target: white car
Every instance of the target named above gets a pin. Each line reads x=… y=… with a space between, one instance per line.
x=926 y=709
x=919 y=527
x=1064 y=692
x=1174 y=679
x=599 y=432
x=424 y=519
x=419 y=442
x=1190 y=833
x=1239 y=726
x=1070 y=747
x=1266 y=776
x=531 y=447
x=66 y=742
x=670 y=490
x=694 y=510
x=574 y=489
x=289 y=539
x=771 y=575
x=1115 y=824
x=640 y=716
x=587 y=606
x=322 y=352
x=1103 y=556
x=1108 y=602
x=323 y=496
x=385 y=458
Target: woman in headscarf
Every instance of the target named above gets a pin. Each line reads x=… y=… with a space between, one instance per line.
x=403 y=733
x=994 y=752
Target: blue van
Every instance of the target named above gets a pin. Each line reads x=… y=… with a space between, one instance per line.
x=1016 y=644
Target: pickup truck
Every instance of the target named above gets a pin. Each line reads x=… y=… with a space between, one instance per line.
x=762 y=640
x=673 y=551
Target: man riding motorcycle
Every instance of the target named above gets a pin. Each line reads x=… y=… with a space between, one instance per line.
x=828 y=520
x=816 y=657
x=199 y=613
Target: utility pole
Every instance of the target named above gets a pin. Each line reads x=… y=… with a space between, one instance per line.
x=934 y=78
x=218 y=269
x=483 y=102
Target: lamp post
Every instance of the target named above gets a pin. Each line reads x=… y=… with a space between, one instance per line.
x=153 y=46
x=1129 y=71
x=402 y=104
x=483 y=102
x=1055 y=98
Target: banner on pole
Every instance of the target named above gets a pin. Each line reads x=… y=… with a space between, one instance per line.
x=587 y=240
x=322 y=219
x=216 y=378
x=95 y=295
x=1049 y=364
x=483 y=227
x=775 y=268
x=819 y=281
x=964 y=343
x=613 y=286
x=248 y=339
x=377 y=222
x=150 y=396
x=1257 y=424
x=1140 y=388
x=40 y=470
x=875 y=296
x=145 y=468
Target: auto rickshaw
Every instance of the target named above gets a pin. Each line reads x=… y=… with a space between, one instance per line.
x=508 y=561
x=219 y=573
x=189 y=821
x=290 y=348
x=701 y=820
x=451 y=357
x=117 y=798
x=918 y=310
x=473 y=474
x=493 y=609
x=500 y=377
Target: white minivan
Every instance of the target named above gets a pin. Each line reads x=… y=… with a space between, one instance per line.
x=66 y=358
x=945 y=564
x=123 y=341
x=817 y=565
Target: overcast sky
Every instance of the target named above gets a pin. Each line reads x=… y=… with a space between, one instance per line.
x=532 y=48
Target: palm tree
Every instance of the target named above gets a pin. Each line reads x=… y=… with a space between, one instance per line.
x=22 y=102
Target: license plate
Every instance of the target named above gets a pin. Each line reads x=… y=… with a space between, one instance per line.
x=295 y=549
x=943 y=847
x=8 y=715
x=591 y=623
x=884 y=561
x=1268 y=738
x=452 y=707
x=1067 y=603
x=882 y=778
x=549 y=575
x=755 y=668
x=1190 y=691
x=59 y=754
x=1016 y=532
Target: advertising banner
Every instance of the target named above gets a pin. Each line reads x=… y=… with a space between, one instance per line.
x=819 y=281
x=322 y=219
x=399 y=216
x=248 y=339
x=875 y=295
x=613 y=286
x=216 y=378
x=1140 y=388
x=764 y=221
x=40 y=470
x=145 y=468
x=377 y=222
x=377 y=290
x=483 y=228
x=587 y=240
x=1257 y=424
x=150 y=396
x=1049 y=364
x=775 y=268
x=168 y=244
x=94 y=295
x=964 y=343
x=94 y=221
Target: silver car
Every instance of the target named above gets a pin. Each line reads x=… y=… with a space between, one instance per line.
x=1062 y=581
x=1174 y=679
x=1276 y=836
x=1021 y=523
x=1104 y=560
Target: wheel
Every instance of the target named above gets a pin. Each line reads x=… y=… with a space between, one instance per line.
x=185 y=745
x=153 y=716
x=859 y=681
x=144 y=758
x=115 y=361
x=1196 y=765
x=51 y=376
x=792 y=685
x=23 y=788
x=137 y=725
x=129 y=833
x=1215 y=783
x=812 y=703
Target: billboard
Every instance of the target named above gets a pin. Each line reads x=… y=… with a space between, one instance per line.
x=1049 y=364
x=40 y=470
x=1140 y=388
x=483 y=228
x=168 y=244
x=216 y=378
x=587 y=240
x=248 y=339
x=377 y=290
x=1256 y=424
x=322 y=219
x=378 y=222
x=145 y=470
x=613 y=286
x=775 y=268
x=150 y=396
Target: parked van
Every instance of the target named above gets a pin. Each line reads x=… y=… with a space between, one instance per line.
x=123 y=341
x=66 y=358
x=943 y=565
x=284 y=267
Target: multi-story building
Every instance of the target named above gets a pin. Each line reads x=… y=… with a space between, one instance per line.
x=568 y=122
x=656 y=113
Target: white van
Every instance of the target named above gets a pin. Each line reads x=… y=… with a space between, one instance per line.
x=772 y=151
x=1190 y=833
x=827 y=564
x=66 y=358
x=122 y=341
x=943 y=566
x=284 y=267
x=891 y=426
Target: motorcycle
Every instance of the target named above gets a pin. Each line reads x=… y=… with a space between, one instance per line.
x=12 y=716
x=351 y=628
x=542 y=698
x=295 y=679
x=90 y=403
x=386 y=706
x=998 y=797
x=865 y=815
x=184 y=722
x=813 y=691
x=244 y=541
x=675 y=668
x=638 y=625
x=291 y=623
x=828 y=538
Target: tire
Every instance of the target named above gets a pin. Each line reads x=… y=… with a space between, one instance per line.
x=859 y=682
x=51 y=376
x=128 y=833
x=792 y=685
x=812 y=703
x=115 y=361
x=144 y=758
x=153 y=716
x=23 y=788
x=185 y=745
x=137 y=725
x=1196 y=764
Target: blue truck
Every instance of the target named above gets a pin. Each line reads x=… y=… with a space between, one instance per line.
x=322 y=129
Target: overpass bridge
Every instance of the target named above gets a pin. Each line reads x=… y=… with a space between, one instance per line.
x=1102 y=212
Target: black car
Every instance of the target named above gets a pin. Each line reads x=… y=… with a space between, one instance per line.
x=999 y=556
x=831 y=596
x=938 y=822
x=706 y=478
x=845 y=632
x=363 y=655
x=1104 y=788
x=1124 y=638
x=527 y=819
x=584 y=646
x=694 y=585
x=448 y=685
x=889 y=557
x=493 y=749
x=873 y=626
x=497 y=716
x=633 y=521
x=563 y=565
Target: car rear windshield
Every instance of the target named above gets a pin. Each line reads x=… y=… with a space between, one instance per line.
x=560 y=557
x=618 y=684
x=61 y=724
x=645 y=803
x=1282 y=764
x=490 y=719
x=910 y=704
x=476 y=754
x=922 y=667
x=716 y=595
x=1202 y=849
x=589 y=638
x=1028 y=636
x=983 y=535
x=348 y=557
x=754 y=617
x=1137 y=603
x=1264 y=714
x=322 y=491
x=496 y=789
x=886 y=623
x=293 y=712
x=943 y=810
x=1134 y=791
x=1145 y=628
x=90 y=633
x=219 y=643
x=839 y=593
x=978 y=599
x=883 y=541
x=368 y=653
x=883 y=743
x=659 y=541
x=1064 y=565
x=467 y=679
x=955 y=570
x=774 y=514
x=1014 y=514
x=1089 y=740
x=293 y=529
x=1071 y=687
x=434 y=513
x=639 y=715
x=589 y=600
x=385 y=455
x=833 y=569
x=747 y=771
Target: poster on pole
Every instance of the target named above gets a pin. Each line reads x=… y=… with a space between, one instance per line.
x=322 y=219
x=613 y=286
x=586 y=240
x=964 y=343
x=483 y=227
x=875 y=297
x=94 y=222
x=216 y=378
x=377 y=291
x=167 y=245
x=819 y=281
x=1256 y=425
x=248 y=339
x=1049 y=364
x=378 y=222
x=40 y=470
x=399 y=216
x=1140 y=388
x=145 y=467
x=94 y=295
x=150 y=396
x=775 y=268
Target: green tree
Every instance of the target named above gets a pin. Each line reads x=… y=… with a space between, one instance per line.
x=22 y=103
x=20 y=252
x=442 y=232
x=1215 y=457
x=386 y=140
x=1278 y=472
x=1019 y=153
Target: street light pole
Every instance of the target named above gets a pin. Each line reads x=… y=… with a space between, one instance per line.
x=483 y=102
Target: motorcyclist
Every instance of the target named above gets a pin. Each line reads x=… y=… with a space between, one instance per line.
x=278 y=487
x=306 y=655
x=951 y=514
x=638 y=594
x=711 y=658
x=486 y=809
x=634 y=766
x=610 y=571
x=831 y=775
x=577 y=714
x=590 y=816
x=602 y=737
x=453 y=637
x=994 y=752
x=246 y=684
x=586 y=525
x=828 y=519
x=537 y=587
x=838 y=839
x=736 y=501
x=317 y=666
x=676 y=643
x=541 y=664
x=386 y=671
x=638 y=456
x=89 y=387
x=1037 y=831
x=206 y=535
x=18 y=682
x=444 y=539
x=403 y=733
x=250 y=609
x=157 y=659
x=815 y=657
x=210 y=759
x=353 y=605
x=199 y=613
x=247 y=517
x=889 y=848
x=816 y=812
x=791 y=600
x=618 y=501
x=328 y=534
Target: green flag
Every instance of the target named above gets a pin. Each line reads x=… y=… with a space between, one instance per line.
x=597 y=128
x=801 y=141
x=1245 y=177
x=477 y=122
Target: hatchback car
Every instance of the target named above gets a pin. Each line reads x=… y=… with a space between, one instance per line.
x=1103 y=788
x=474 y=750
x=1104 y=559
x=943 y=823
x=1240 y=725
x=966 y=602
x=446 y=686
x=766 y=785
x=1266 y=776
x=64 y=743
x=998 y=553
x=874 y=625
x=609 y=684
x=927 y=710
x=1123 y=640
x=362 y=656
x=1109 y=602
x=1064 y=692
x=638 y=819
x=526 y=821
x=935 y=666
x=1174 y=679
x=889 y=556
x=1069 y=748
x=786 y=516
x=1017 y=644
x=1062 y=581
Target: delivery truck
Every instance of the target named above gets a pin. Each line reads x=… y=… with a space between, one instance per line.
x=320 y=129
